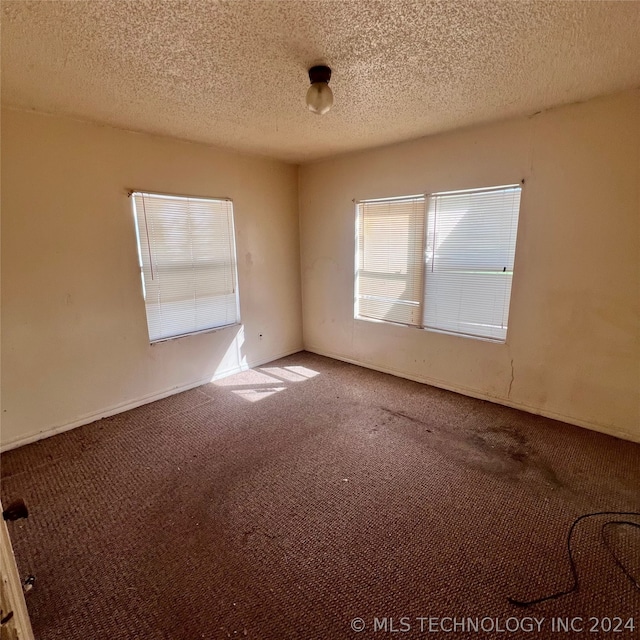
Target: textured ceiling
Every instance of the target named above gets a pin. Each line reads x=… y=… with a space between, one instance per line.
x=235 y=73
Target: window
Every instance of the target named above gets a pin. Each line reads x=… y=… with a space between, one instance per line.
x=442 y=261
x=390 y=250
x=187 y=258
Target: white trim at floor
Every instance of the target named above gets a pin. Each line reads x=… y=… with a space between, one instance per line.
x=132 y=404
x=608 y=430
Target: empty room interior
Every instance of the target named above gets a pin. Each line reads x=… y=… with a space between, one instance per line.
x=320 y=319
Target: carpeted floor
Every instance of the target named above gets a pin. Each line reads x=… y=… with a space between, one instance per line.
x=287 y=501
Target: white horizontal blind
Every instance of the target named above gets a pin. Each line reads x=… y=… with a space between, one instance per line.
x=470 y=250
x=187 y=257
x=390 y=259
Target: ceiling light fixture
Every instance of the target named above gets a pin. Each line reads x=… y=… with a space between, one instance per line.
x=319 y=95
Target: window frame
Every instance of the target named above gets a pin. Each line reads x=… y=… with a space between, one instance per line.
x=420 y=279
x=233 y=253
x=423 y=301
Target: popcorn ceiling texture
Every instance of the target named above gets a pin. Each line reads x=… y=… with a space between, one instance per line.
x=235 y=73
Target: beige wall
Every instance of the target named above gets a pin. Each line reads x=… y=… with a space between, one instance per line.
x=74 y=335
x=74 y=341
x=573 y=346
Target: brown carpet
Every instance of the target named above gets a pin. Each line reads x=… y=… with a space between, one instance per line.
x=286 y=501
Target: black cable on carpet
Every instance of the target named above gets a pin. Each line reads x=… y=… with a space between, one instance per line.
x=572 y=564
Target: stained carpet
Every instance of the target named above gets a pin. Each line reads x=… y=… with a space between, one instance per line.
x=290 y=500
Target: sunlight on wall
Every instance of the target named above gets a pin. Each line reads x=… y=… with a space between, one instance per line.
x=233 y=358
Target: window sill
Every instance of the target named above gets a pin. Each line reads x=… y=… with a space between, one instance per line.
x=195 y=333
x=431 y=330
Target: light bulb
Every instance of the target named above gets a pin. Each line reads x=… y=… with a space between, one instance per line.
x=319 y=95
x=319 y=98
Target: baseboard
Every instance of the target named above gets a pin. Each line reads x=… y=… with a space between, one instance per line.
x=474 y=393
x=132 y=404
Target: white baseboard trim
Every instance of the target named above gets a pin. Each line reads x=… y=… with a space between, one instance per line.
x=608 y=430
x=132 y=404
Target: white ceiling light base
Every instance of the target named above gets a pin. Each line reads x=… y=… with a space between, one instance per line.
x=319 y=95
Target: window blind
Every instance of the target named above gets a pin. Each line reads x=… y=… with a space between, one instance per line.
x=469 y=258
x=390 y=259
x=187 y=257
